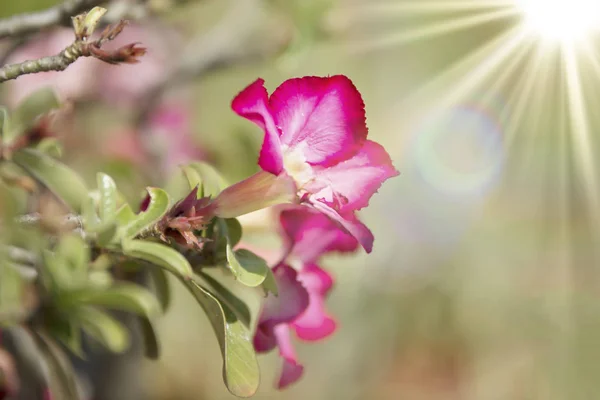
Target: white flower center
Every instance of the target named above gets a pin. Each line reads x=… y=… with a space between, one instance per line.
x=296 y=166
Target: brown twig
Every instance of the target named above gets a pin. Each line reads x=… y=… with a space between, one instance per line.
x=84 y=25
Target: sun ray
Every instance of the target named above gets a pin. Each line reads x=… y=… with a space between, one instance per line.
x=393 y=9
x=524 y=97
x=580 y=130
x=434 y=29
x=467 y=75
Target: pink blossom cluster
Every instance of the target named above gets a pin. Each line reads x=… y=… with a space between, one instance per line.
x=316 y=155
x=303 y=287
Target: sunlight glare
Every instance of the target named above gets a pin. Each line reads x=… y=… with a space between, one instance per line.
x=564 y=21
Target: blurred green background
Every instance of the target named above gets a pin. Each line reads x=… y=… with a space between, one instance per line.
x=483 y=283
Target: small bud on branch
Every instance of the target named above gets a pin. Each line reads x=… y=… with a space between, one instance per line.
x=84 y=26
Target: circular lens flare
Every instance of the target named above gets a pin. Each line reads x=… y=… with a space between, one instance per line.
x=564 y=21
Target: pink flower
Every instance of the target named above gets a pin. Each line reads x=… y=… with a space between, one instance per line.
x=300 y=307
x=308 y=234
x=316 y=136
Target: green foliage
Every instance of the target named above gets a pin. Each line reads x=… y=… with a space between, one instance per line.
x=240 y=367
x=27 y=113
x=60 y=179
x=159 y=255
x=157 y=208
x=80 y=272
x=206 y=177
x=247 y=267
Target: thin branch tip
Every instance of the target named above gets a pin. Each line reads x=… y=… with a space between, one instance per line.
x=83 y=25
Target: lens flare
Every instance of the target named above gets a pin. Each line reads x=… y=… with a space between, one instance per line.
x=460 y=153
x=564 y=21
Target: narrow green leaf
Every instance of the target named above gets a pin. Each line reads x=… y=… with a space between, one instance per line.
x=234 y=231
x=159 y=255
x=62 y=377
x=210 y=180
x=123 y=296
x=66 y=331
x=89 y=213
x=108 y=197
x=270 y=285
x=102 y=327
x=158 y=207
x=60 y=179
x=100 y=279
x=224 y=295
x=102 y=262
x=12 y=308
x=125 y=215
x=72 y=252
x=160 y=284
x=25 y=116
x=247 y=267
x=106 y=233
x=51 y=146
x=240 y=367
x=66 y=267
x=4 y=122
x=151 y=343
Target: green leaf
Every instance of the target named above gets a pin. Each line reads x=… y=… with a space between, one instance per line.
x=234 y=231
x=151 y=343
x=123 y=296
x=102 y=262
x=102 y=327
x=50 y=146
x=66 y=331
x=240 y=367
x=60 y=179
x=270 y=285
x=225 y=296
x=11 y=294
x=62 y=378
x=100 y=279
x=158 y=207
x=4 y=122
x=205 y=176
x=106 y=233
x=247 y=267
x=89 y=214
x=66 y=267
x=159 y=255
x=108 y=197
x=74 y=253
x=25 y=116
x=160 y=284
x=125 y=215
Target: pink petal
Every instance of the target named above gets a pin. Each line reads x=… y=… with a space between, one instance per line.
x=292 y=299
x=314 y=323
x=291 y=371
x=264 y=338
x=309 y=234
x=256 y=192
x=325 y=115
x=252 y=103
x=349 y=185
x=350 y=223
x=291 y=302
